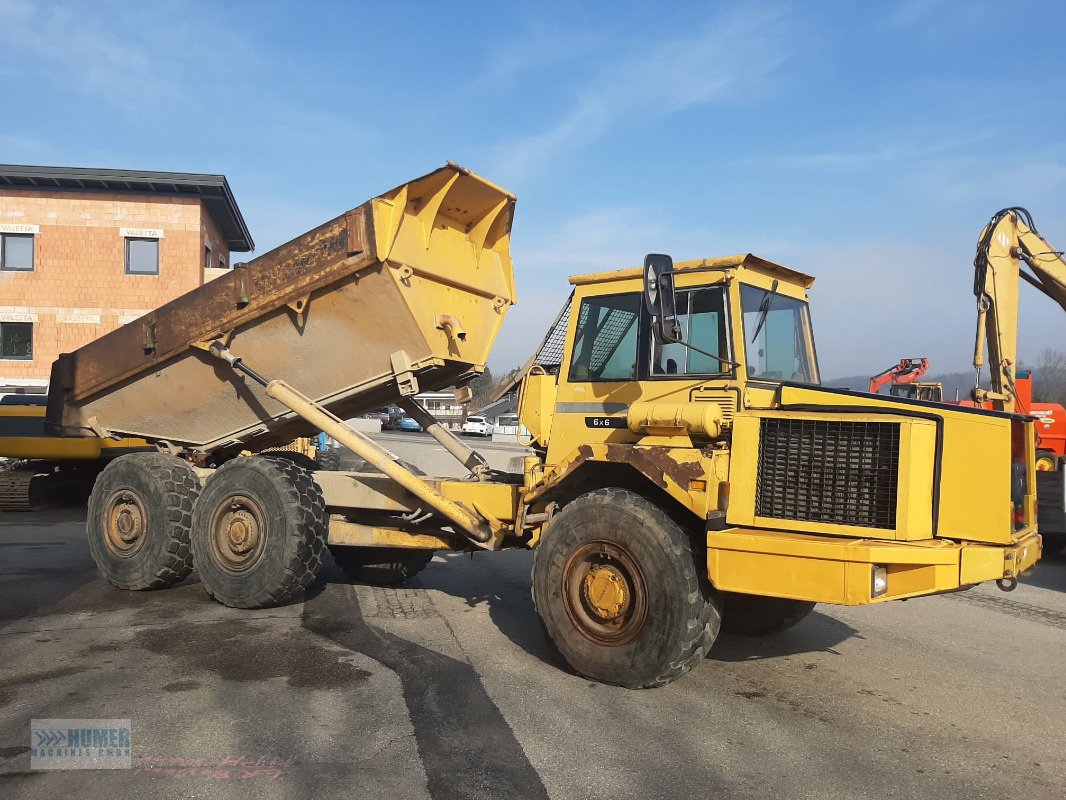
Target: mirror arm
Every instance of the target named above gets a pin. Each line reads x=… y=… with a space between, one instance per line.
x=719 y=359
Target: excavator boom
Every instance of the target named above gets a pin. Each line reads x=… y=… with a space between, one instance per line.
x=1009 y=239
x=908 y=370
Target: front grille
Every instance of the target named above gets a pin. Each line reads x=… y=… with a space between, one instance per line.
x=843 y=473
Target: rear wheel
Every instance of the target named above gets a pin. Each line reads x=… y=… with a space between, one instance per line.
x=1046 y=461
x=259 y=532
x=381 y=566
x=139 y=518
x=620 y=592
x=753 y=615
x=301 y=460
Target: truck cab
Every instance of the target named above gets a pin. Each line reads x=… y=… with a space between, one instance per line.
x=616 y=360
x=697 y=383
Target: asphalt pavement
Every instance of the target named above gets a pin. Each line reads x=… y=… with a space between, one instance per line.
x=446 y=688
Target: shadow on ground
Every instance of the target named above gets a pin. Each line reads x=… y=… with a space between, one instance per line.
x=504 y=587
x=1049 y=573
x=818 y=633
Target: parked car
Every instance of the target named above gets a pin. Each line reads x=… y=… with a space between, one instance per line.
x=406 y=423
x=388 y=416
x=477 y=426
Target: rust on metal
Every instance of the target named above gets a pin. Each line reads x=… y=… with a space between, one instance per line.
x=604 y=593
x=552 y=479
x=238 y=533
x=656 y=463
x=125 y=523
x=323 y=312
x=275 y=279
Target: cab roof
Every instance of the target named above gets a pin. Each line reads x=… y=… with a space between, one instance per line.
x=743 y=261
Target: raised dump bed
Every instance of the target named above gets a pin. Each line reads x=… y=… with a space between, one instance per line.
x=406 y=291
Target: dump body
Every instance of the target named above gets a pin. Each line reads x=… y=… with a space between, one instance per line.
x=403 y=293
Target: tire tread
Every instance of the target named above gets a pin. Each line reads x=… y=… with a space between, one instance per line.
x=703 y=618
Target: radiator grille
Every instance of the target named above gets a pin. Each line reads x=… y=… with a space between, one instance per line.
x=844 y=473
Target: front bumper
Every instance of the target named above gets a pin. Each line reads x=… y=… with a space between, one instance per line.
x=832 y=569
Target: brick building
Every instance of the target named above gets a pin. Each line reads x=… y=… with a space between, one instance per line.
x=83 y=251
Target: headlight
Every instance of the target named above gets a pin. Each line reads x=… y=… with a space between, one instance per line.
x=878 y=581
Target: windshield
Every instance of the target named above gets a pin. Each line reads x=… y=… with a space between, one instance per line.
x=783 y=349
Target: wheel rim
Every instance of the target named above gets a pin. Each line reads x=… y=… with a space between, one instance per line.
x=604 y=593
x=125 y=523
x=238 y=533
x=1045 y=464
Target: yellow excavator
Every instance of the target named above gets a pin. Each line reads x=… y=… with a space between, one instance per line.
x=40 y=469
x=1009 y=240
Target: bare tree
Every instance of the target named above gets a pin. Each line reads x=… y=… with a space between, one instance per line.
x=1049 y=377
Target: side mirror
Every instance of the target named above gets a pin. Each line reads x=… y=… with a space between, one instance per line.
x=659 y=297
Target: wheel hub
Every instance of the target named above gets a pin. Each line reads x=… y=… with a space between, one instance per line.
x=604 y=589
x=125 y=523
x=238 y=533
x=604 y=593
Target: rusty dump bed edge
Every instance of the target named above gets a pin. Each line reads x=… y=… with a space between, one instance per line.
x=433 y=248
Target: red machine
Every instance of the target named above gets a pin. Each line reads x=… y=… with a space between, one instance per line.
x=908 y=370
x=904 y=379
x=1050 y=432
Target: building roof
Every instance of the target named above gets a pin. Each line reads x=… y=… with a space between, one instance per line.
x=508 y=404
x=213 y=190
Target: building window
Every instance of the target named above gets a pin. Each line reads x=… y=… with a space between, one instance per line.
x=222 y=261
x=142 y=256
x=207 y=257
x=16 y=251
x=16 y=341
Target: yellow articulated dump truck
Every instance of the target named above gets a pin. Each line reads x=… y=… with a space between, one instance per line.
x=687 y=473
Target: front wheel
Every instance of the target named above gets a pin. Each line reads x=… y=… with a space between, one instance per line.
x=621 y=593
x=753 y=615
x=259 y=532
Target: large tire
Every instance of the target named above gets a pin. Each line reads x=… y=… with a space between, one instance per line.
x=753 y=615
x=259 y=532
x=1046 y=461
x=301 y=460
x=621 y=592
x=139 y=517
x=329 y=459
x=381 y=566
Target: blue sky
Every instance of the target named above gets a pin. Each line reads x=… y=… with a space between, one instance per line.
x=865 y=143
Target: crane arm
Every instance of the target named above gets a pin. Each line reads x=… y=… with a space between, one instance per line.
x=907 y=370
x=1007 y=241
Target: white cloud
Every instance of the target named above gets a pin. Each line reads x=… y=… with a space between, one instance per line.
x=599 y=241
x=538 y=47
x=655 y=79
x=76 y=48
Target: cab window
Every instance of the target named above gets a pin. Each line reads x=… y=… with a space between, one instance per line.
x=605 y=343
x=777 y=336
x=701 y=315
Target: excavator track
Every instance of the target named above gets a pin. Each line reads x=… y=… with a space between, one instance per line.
x=26 y=489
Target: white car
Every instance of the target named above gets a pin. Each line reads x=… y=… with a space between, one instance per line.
x=477 y=426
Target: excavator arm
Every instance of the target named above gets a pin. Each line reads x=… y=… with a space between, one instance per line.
x=908 y=370
x=1009 y=239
